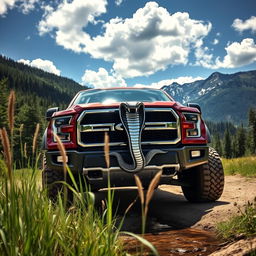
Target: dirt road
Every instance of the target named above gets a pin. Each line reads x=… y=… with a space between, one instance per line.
x=176 y=223
x=238 y=190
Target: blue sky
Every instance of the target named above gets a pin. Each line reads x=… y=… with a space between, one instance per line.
x=104 y=43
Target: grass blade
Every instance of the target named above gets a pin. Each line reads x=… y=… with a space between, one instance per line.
x=140 y=188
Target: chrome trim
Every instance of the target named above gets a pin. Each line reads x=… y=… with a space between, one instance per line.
x=112 y=110
x=200 y=162
x=97 y=127
x=105 y=110
x=118 y=169
x=164 y=109
x=145 y=143
x=119 y=127
x=160 y=126
x=111 y=144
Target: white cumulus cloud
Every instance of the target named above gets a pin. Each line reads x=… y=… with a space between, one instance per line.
x=45 y=65
x=149 y=41
x=5 y=5
x=25 y=6
x=249 y=24
x=203 y=57
x=69 y=19
x=102 y=79
x=28 y=5
x=180 y=80
x=239 y=54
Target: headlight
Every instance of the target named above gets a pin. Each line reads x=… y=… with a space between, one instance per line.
x=192 y=125
x=61 y=126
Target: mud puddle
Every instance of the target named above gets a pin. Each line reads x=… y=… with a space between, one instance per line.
x=162 y=230
x=168 y=240
x=189 y=242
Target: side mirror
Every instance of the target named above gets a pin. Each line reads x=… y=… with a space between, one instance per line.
x=194 y=105
x=50 y=112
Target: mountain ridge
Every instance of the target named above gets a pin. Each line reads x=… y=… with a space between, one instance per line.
x=223 y=97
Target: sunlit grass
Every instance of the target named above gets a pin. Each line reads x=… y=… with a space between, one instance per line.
x=27 y=174
x=31 y=225
x=244 y=224
x=246 y=166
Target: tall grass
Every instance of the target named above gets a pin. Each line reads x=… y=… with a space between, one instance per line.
x=145 y=200
x=246 y=166
x=7 y=152
x=31 y=225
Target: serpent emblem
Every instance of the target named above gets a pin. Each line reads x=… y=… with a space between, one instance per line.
x=132 y=116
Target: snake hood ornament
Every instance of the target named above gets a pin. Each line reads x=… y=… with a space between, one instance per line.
x=132 y=116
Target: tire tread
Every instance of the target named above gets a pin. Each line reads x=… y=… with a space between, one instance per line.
x=207 y=181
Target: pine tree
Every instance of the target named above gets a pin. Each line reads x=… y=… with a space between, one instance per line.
x=218 y=144
x=3 y=100
x=252 y=131
x=234 y=146
x=227 y=144
x=28 y=116
x=240 y=142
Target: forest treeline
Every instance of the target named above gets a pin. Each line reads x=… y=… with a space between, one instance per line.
x=28 y=113
x=234 y=141
x=35 y=86
x=36 y=91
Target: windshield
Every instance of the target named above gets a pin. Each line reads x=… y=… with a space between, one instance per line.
x=125 y=95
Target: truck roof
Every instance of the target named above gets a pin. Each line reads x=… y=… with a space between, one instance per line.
x=121 y=88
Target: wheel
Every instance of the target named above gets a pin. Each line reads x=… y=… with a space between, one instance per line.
x=50 y=182
x=206 y=181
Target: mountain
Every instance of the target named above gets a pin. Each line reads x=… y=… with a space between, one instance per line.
x=222 y=97
x=33 y=83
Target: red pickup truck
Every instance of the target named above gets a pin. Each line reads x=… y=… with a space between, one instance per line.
x=148 y=132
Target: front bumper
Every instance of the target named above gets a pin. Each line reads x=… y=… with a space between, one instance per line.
x=92 y=164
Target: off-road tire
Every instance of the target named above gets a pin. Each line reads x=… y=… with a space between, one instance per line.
x=51 y=181
x=206 y=181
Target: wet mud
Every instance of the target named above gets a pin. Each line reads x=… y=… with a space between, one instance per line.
x=189 y=242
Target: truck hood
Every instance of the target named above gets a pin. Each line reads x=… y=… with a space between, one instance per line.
x=77 y=109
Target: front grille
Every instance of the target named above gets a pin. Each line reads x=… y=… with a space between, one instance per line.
x=161 y=127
